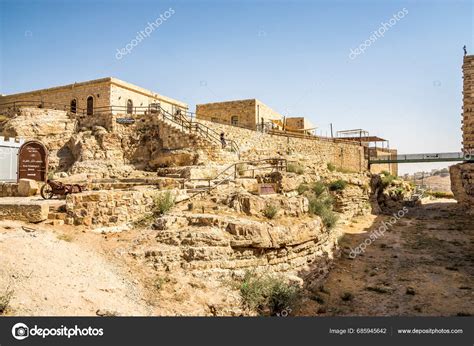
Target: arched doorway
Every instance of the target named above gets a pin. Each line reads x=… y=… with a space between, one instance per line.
x=90 y=105
x=73 y=106
x=129 y=106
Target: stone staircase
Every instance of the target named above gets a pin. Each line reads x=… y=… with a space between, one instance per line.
x=178 y=132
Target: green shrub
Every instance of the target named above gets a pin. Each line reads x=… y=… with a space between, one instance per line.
x=318 y=188
x=338 y=185
x=267 y=294
x=295 y=168
x=302 y=188
x=323 y=208
x=163 y=203
x=387 y=179
x=386 y=173
x=331 y=167
x=270 y=211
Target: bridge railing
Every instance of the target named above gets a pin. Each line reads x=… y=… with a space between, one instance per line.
x=433 y=157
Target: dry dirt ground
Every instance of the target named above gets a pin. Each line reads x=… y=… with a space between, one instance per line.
x=49 y=273
x=423 y=265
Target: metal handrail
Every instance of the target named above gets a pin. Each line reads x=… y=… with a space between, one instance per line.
x=204 y=130
x=280 y=165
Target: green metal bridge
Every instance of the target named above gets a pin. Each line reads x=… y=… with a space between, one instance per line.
x=417 y=158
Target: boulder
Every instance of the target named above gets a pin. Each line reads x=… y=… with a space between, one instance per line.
x=27 y=187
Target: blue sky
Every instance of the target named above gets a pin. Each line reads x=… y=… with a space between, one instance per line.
x=292 y=55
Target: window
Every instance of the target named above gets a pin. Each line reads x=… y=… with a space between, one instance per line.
x=234 y=120
x=129 y=106
x=73 y=106
x=90 y=105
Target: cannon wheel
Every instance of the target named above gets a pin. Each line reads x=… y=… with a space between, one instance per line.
x=47 y=191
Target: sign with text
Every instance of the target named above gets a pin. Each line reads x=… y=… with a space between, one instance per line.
x=33 y=161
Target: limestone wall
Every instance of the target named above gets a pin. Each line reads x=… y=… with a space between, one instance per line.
x=98 y=89
x=119 y=95
x=462 y=183
x=248 y=112
x=95 y=209
x=255 y=145
x=468 y=103
x=106 y=92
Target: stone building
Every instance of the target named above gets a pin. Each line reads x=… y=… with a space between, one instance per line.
x=96 y=96
x=244 y=113
x=300 y=124
x=468 y=103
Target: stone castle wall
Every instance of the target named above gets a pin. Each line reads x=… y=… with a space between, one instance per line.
x=256 y=145
x=468 y=103
x=248 y=112
x=106 y=92
x=63 y=96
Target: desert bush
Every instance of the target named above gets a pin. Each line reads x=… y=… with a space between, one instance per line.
x=302 y=188
x=322 y=206
x=5 y=298
x=331 y=167
x=387 y=179
x=270 y=211
x=267 y=294
x=295 y=168
x=163 y=203
x=65 y=237
x=338 y=185
x=319 y=188
x=439 y=194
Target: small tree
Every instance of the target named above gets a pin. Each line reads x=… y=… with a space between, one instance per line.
x=163 y=203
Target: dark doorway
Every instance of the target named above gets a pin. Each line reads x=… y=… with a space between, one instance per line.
x=90 y=105
x=74 y=106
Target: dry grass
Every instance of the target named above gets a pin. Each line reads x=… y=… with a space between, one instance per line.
x=65 y=237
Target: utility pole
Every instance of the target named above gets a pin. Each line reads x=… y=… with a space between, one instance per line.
x=331 y=130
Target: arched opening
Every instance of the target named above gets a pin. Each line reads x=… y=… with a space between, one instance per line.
x=129 y=106
x=90 y=105
x=73 y=106
x=234 y=120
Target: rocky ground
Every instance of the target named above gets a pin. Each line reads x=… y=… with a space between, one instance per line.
x=423 y=265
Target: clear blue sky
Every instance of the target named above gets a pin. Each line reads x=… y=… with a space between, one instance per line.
x=292 y=55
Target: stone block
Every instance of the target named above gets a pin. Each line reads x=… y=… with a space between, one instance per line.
x=27 y=187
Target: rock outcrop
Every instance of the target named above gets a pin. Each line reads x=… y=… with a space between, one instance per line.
x=209 y=241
